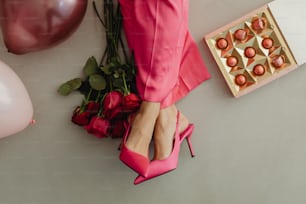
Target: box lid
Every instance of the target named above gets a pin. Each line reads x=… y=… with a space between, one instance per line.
x=290 y=16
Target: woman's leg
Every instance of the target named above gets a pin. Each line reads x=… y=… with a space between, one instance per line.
x=192 y=73
x=165 y=129
x=142 y=128
x=155 y=32
x=168 y=62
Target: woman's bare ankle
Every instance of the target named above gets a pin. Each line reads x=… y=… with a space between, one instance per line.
x=165 y=129
x=164 y=132
x=142 y=127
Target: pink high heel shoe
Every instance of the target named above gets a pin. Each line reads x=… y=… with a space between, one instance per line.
x=159 y=167
x=134 y=160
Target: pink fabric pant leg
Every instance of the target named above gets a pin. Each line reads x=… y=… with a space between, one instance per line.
x=168 y=62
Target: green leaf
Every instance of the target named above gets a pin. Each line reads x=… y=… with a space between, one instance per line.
x=91 y=66
x=107 y=69
x=69 y=86
x=97 y=82
x=118 y=83
x=116 y=75
x=75 y=83
x=64 y=89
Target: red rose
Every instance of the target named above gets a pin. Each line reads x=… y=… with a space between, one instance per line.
x=112 y=104
x=112 y=100
x=80 y=118
x=98 y=126
x=92 y=107
x=131 y=103
x=118 y=128
x=115 y=113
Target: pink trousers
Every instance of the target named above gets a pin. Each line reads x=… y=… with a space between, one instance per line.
x=168 y=61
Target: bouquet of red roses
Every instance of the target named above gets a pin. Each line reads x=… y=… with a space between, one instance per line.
x=109 y=86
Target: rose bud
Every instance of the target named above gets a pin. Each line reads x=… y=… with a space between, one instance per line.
x=80 y=118
x=131 y=103
x=98 y=126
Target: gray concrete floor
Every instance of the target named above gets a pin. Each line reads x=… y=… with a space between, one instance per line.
x=248 y=150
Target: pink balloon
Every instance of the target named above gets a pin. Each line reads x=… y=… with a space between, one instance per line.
x=16 y=110
x=32 y=25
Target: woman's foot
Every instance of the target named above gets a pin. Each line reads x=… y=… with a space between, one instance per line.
x=142 y=128
x=165 y=130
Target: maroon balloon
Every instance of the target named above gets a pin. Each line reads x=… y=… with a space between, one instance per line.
x=32 y=25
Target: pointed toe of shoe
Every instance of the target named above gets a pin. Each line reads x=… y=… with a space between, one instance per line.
x=139 y=179
x=136 y=162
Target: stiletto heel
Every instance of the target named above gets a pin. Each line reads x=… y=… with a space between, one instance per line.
x=119 y=147
x=187 y=134
x=134 y=160
x=190 y=146
x=159 y=167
